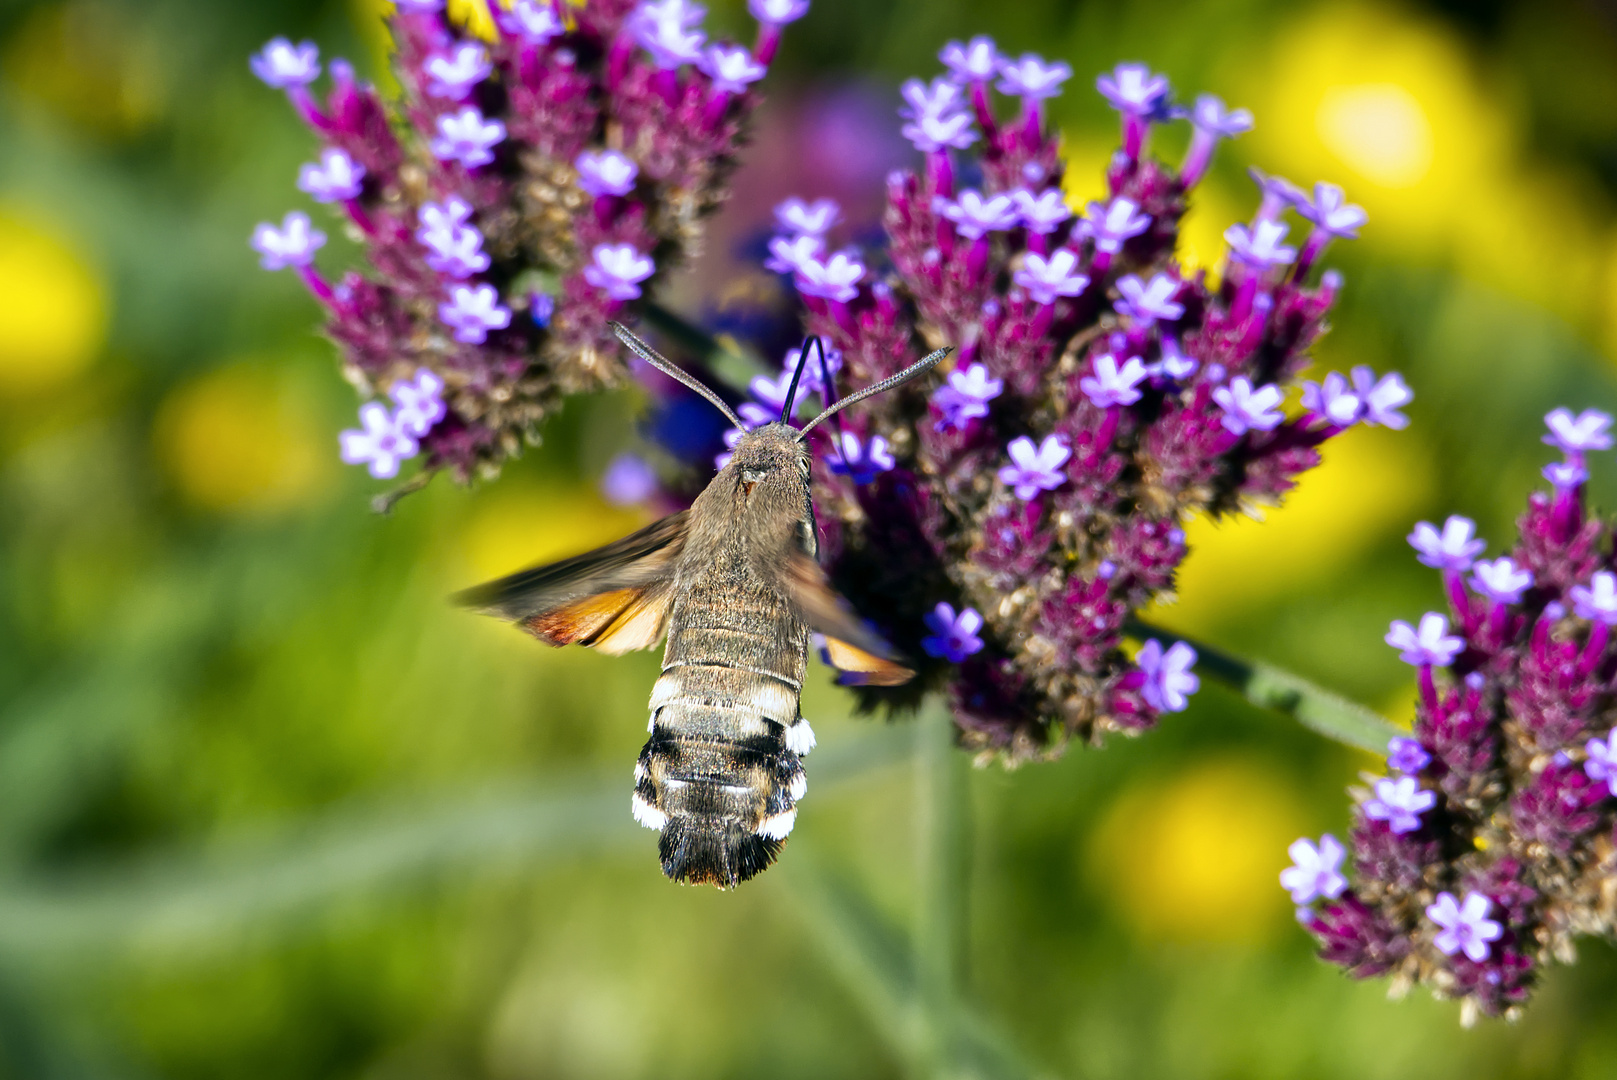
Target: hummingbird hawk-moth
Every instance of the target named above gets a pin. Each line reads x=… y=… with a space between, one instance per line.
x=735 y=584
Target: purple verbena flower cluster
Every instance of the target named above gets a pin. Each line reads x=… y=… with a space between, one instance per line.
x=514 y=199
x=1494 y=841
x=1099 y=394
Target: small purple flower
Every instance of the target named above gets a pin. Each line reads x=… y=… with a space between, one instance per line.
x=732 y=68
x=628 y=481
x=1382 y=398
x=787 y=256
x=800 y=218
x=1035 y=469
x=1031 y=78
x=1331 y=212
x=1601 y=763
x=1041 y=213
x=1316 y=872
x=420 y=403
x=954 y=636
x=1173 y=364
x=1577 y=434
x=813 y=379
x=937 y=98
x=1278 y=193
x=605 y=172
x=1047 y=278
x=836 y=278
x=973 y=215
x=453 y=76
x=1597 y=601
x=1246 y=409
x=446 y=217
x=336 y=178
x=965 y=396
x=456 y=253
x=542 y=307
x=1260 y=246
x=1501 y=581
x=667 y=30
x=1565 y=475
x=1114 y=223
x=472 y=311
x=380 y=443
x=732 y=437
x=466 y=137
x=1407 y=755
x=618 y=270
x=1465 y=926
x=418 y=7
x=293 y=244
x=535 y=23
x=1210 y=115
x=930 y=134
x=1147 y=302
x=778 y=12
x=861 y=462
x=1431 y=645
x=1333 y=400
x=1452 y=549
x=1134 y=90
x=1113 y=385
x=1168 y=678
x=975 y=61
x=1399 y=801
x=282 y=64
x=772 y=393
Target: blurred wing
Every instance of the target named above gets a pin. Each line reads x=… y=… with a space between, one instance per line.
x=615 y=598
x=850 y=645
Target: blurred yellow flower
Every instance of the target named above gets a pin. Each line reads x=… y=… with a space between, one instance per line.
x=241 y=439
x=1371 y=483
x=516 y=526
x=92 y=62
x=1198 y=856
x=1379 y=130
x=53 y=307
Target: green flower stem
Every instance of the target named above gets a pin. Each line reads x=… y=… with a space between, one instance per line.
x=943 y=834
x=1270 y=687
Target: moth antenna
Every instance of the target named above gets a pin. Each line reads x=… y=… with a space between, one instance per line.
x=666 y=366
x=827 y=399
x=888 y=383
x=797 y=373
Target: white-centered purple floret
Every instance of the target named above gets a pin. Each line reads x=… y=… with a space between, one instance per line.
x=1173 y=364
x=456 y=252
x=1332 y=213
x=1035 y=468
x=336 y=177
x=667 y=29
x=472 y=311
x=1112 y=384
x=1455 y=548
x=467 y=137
x=380 y=443
x=936 y=98
x=1047 y=277
x=1148 y=301
x=629 y=480
x=1382 y=398
x=836 y=278
x=533 y=22
x=801 y=218
x=420 y=402
x=771 y=393
x=732 y=68
x=1501 y=581
x=930 y=134
x=1210 y=115
x=777 y=12
x=452 y=213
x=1333 y=399
x=1169 y=682
x=1596 y=601
x=1031 y=78
x=1600 y=760
x=1431 y=645
x=1399 y=801
x=282 y=64
x=606 y=172
x=618 y=270
x=859 y=460
x=976 y=61
x=813 y=379
x=452 y=76
x=1042 y=213
x=1133 y=90
x=293 y=244
x=788 y=254
x=1406 y=755
x=1260 y=246
x=964 y=396
x=1113 y=224
x=954 y=635
x=1315 y=873
x=975 y=215
x=1578 y=434
x=1465 y=926
x=1565 y=475
x=1248 y=409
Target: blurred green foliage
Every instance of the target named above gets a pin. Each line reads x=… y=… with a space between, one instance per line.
x=270 y=808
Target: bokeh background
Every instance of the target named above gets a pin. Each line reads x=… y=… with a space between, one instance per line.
x=270 y=807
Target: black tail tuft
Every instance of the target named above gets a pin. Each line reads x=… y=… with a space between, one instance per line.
x=713 y=851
